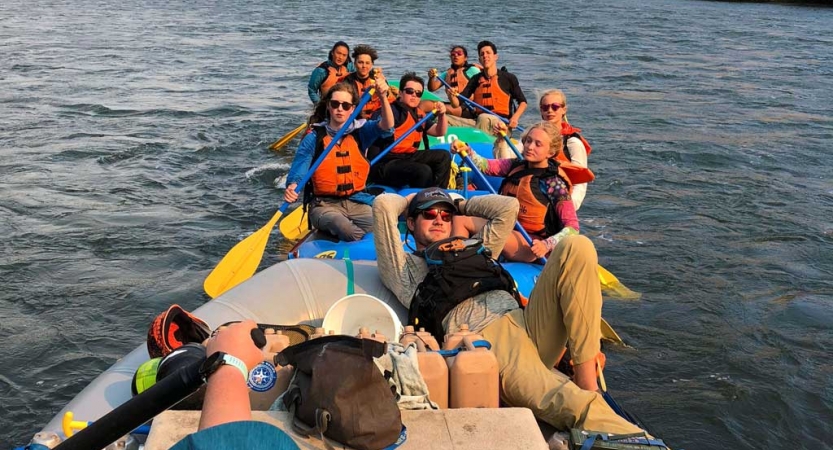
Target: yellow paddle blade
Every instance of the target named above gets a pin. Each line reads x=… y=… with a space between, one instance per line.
x=613 y=287
x=277 y=145
x=294 y=226
x=609 y=334
x=241 y=261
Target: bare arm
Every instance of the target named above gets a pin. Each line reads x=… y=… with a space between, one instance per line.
x=227 y=395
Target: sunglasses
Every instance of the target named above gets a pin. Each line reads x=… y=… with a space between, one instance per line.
x=412 y=91
x=431 y=214
x=456 y=53
x=347 y=106
x=555 y=107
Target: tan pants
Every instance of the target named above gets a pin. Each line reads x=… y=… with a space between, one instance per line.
x=484 y=122
x=565 y=305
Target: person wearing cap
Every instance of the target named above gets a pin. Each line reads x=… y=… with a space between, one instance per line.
x=565 y=306
x=404 y=165
x=337 y=66
x=226 y=419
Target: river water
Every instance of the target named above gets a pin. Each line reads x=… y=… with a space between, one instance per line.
x=134 y=139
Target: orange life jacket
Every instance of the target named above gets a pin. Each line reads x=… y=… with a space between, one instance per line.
x=489 y=95
x=457 y=79
x=569 y=131
x=536 y=214
x=411 y=143
x=334 y=75
x=344 y=171
x=374 y=104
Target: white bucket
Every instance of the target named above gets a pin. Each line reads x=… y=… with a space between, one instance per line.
x=355 y=311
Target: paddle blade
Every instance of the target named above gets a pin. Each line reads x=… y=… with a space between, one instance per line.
x=241 y=262
x=294 y=226
x=614 y=288
x=609 y=334
x=280 y=143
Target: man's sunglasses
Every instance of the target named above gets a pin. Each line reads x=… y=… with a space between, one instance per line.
x=412 y=91
x=555 y=107
x=347 y=106
x=456 y=53
x=431 y=214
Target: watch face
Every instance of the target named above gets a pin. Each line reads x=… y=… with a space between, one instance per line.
x=211 y=364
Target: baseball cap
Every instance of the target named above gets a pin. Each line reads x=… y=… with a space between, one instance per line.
x=429 y=197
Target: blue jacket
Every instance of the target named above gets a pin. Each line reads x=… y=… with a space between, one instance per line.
x=318 y=76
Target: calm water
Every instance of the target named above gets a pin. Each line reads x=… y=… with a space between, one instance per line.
x=133 y=139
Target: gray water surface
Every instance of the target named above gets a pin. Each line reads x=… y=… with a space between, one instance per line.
x=133 y=156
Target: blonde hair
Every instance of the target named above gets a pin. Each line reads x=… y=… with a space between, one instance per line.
x=557 y=92
x=553 y=132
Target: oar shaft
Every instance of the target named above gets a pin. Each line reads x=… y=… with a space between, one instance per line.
x=339 y=134
x=511 y=145
x=476 y=105
x=402 y=138
x=483 y=180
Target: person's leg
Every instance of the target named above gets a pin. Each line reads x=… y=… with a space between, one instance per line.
x=440 y=163
x=466 y=226
x=566 y=305
x=361 y=215
x=332 y=218
x=527 y=382
x=454 y=121
x=486 y=123
x=405 y=172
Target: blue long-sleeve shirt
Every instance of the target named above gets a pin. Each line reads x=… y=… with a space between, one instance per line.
x=318 y=76
x=369 y=132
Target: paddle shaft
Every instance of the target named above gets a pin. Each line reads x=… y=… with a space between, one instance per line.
x=511 y=145
x=483 y=179
x=402 y=138
x=339 y=134
x=482 y=108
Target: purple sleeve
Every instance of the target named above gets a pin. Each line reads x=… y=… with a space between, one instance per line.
x=498 y=167
x=559 y=195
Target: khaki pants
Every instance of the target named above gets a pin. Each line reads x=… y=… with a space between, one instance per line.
x=346 y=219
x=484 y=122
x=565 y=306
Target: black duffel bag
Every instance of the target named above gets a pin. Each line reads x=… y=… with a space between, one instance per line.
x=338 y=392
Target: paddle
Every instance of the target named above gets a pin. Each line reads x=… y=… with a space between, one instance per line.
x=294 y=226
x=277 y=145
x=471 y=103
x=606 y=330
x=242 y=260
x=511 y=145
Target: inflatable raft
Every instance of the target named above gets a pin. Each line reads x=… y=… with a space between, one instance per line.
x=291 y=292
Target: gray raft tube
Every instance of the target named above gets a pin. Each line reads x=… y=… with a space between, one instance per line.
x=288 y=293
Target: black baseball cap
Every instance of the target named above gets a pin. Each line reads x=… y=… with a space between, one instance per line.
x=429 y=197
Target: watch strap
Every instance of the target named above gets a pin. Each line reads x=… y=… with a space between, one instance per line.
x=238 y=363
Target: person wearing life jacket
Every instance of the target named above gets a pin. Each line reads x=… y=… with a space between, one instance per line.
x=404 y=165
x=566 y=305
x=327 y=74
x=458 y=75
x=364 y=56
x=553 y=107
x=542 y=186
x=493 y=88
x=335 y=194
